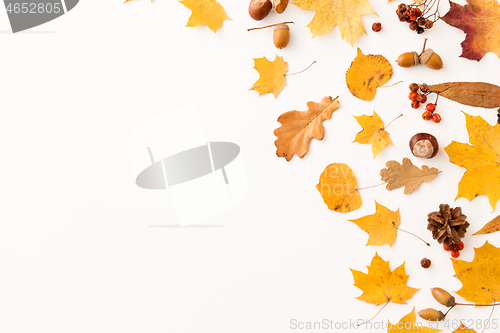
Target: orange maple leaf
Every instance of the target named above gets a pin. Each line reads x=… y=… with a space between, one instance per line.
x=480 y=20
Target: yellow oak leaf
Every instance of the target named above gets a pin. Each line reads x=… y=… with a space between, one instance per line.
x=382 y=227
x=481 y=158
x=463 y=329
x=481 y=277
x=407 y=324
x=381 y=285
x=338 y=187
x=344 y=13
x=373 y=133
x=205 y=12
x=492 y=226
x=408 y=175
x=272 y=76
x=367 y=72
x=298 y=128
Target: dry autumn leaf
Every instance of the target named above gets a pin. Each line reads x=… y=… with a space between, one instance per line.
x=407 y=324
x=366 y=74
x=338 y=187
x=408 y=175
x=480 y=20
x=298 y=128
x=382 y=227
x=481 y=158
x=373 y=133
x=481 y=277
x=205 y=12
x=492 y=226
x=272 y=76
x=479 y=94
x=344 y=13
x=381 y=285
x=463 y=329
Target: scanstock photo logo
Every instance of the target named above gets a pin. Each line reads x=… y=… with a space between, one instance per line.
x=26 y=14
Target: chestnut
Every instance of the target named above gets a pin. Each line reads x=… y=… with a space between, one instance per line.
x=424 y=145
x=259 y=9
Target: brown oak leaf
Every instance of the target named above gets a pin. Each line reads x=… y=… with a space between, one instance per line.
x=408 y=175
x=298 y=128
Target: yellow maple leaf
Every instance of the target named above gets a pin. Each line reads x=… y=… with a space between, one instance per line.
x=367 y=72
x=407 y=324
x=381 y=285
x=488 y=228
x=373 y=133
x=272 y=76
x=338 y=187
x=344 y=13
x=481 y=158
x=481 y=277
x=205 y=12
x=382 y=227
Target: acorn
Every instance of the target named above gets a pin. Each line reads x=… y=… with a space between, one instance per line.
x=280 y=5
x=443 y=297
x=408 y=59
x=281 y=36
x=424 y=145
x=431 y=59
x=431 y=314
x=259 y=9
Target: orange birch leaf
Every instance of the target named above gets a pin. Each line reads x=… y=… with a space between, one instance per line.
x=338 y=187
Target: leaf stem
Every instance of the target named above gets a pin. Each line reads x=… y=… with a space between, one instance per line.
x=491 y=314
x=271 y=25
x=364 y=188
x=375 y=314
x=391 y=84
x=414 y=235
x=392 y=121
x=302 y=70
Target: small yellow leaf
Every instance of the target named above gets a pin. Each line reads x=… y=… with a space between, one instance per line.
x=373 y=133
x=407 y=324
x=382 y=227
x=481 y=277
x=366 y=74
x=481 y=158
x=205 y=12
x=463 y=329
x=272 y=76
x=338 y=187
x=344 y=13
x=492 y=226
x=382 y=285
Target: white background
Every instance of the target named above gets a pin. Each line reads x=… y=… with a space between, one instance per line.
x=79 y=250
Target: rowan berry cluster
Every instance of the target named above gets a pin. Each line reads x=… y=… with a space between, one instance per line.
x=418 y=95
x=419 y=16
x=455 y=248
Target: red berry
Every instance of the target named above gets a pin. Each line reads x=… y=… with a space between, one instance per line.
x=424 y=87
x=413 y=95
x=425 y=263
x=377 y=26
x=418 y=12
x=436 y=118
x=427 y=115
x=446 y=247
x=422 y=98
x=413 y=24
x=455 y=253
x=461 y=245
x=415 y=104
x=428 y=24
x=413 y=87
x=430 y=107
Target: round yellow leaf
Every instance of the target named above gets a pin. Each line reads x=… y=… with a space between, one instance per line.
x=338 y=187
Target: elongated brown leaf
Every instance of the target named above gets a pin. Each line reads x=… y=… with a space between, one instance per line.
x=300 y=127
x=492 y=226
x=479 y=94
x=408 y=175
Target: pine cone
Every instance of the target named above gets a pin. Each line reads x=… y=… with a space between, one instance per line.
x=447 y=225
